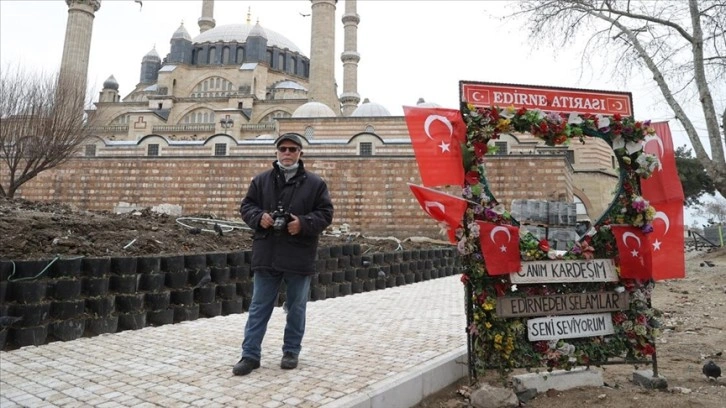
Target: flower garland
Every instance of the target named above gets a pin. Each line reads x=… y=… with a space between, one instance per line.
x=502 y=343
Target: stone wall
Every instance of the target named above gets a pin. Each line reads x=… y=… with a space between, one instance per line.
x=369 y=193
x=71 y=298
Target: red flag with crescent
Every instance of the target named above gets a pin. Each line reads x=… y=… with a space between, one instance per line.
x=500 y=248
x=634 y=252
x=664 y=184
x=442 y=207
x=667 y=241
x=436 y=137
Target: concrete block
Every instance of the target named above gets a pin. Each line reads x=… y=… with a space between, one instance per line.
x=646 y=379
x=559 y=379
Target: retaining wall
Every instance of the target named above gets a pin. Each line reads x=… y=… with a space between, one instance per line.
x=70 y=298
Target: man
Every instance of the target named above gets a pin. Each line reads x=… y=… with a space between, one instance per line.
x=288 y=208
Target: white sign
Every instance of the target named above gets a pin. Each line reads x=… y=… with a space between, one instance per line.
x=569 y=327
x=579 y=271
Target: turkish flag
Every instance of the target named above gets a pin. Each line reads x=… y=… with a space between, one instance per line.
x=436 y=137
x=634 y=252
x=442 y=207
x=664 y=184
x=667 y=241
x=500 y=247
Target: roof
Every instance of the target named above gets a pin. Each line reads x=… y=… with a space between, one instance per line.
x=239 y=32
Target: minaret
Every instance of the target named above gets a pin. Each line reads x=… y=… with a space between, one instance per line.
x=206 y=21
x=350 y=57
x=77 y=45
x=322 y=55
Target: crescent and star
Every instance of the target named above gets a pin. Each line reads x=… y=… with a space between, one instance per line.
x=658 y=141
x=663 y=216
x=445 y=147
x=503 y=248
x=627 y=235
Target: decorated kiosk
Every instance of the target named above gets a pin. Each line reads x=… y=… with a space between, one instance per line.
x=530 y=305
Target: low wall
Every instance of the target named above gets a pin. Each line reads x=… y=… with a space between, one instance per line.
x=71 y=298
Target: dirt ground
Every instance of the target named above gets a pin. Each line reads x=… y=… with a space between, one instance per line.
x=694 y=332
x=34 y=230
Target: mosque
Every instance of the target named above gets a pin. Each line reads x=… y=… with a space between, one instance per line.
x=221 y=97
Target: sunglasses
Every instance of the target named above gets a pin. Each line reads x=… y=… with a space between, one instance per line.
x=291 y=149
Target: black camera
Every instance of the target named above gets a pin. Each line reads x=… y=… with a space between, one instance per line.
x=280 y=218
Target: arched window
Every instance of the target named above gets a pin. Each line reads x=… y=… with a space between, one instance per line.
x=120 y=120
x=212 y=56
x=309 y=132
x=370 y=129
x=293 y=65
x=240 y=55
x=225 y=55
x=274 y=115
x=201 y=115
x=269 y=58
x=281 y=62
x=212 y=87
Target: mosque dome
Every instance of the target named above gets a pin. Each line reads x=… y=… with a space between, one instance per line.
x=313 y=110
x=181 y=33
x=110 y=83
x=151 y=56
x=423 y=104
x=239 y=33
x=370 y=109
x=290 y=85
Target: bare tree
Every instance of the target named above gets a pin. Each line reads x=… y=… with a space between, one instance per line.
x=41 y=125
x=681 y=43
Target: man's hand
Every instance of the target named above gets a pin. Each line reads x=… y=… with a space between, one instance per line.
x=266 y=221
x=293 y=227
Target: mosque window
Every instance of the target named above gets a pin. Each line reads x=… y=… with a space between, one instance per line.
x=309 y=132
x=502 y=148
x=281 y=62
x=152 y=150
x=370 y=129
x=121 y=120
x=366 y=149
x=212 y=56
x=225 y=55
x=276 y=114
x=240 y=55
x=293 y=65
x=269 y=58
x=220 y=149
x=199 y=116
x=90 y=150
x=212 y=87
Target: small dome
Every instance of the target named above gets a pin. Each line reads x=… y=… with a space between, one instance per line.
x=152 y=55
x=110 y=83
x=257 y=31
x=181 y=33
x=313 y=110
x=370 y=109
x=423 y=104
x=290 y=85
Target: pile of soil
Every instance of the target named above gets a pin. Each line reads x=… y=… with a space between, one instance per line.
x=44 y=230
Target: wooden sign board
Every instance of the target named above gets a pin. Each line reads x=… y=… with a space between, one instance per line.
x=561 y=304
x=569 y=271
x=569 y=327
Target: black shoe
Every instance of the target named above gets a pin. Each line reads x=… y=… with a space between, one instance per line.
x=289 y=361
x=245 y=366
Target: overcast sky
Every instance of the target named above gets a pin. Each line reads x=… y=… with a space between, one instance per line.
x=408 y=49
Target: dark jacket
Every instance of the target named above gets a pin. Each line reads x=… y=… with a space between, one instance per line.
x=304 y=195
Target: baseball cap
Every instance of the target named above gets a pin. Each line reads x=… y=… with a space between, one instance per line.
x=291 y=137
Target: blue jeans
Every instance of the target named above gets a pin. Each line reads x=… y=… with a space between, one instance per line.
x=264 y=297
